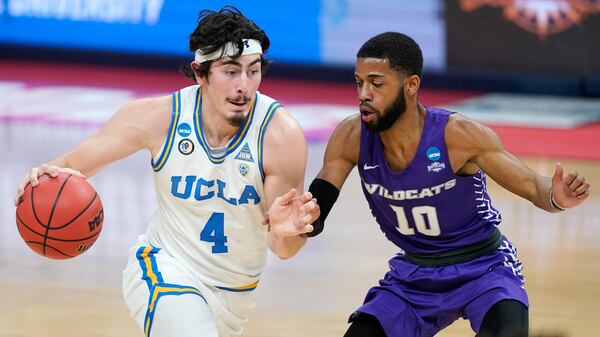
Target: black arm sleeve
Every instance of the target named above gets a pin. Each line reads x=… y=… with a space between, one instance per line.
x=326 y=195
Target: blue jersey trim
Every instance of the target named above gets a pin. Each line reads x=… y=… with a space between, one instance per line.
x=171 y=135
x=150 y=273
x=261 y=136
x=164 y=289
x=156 y=286
x=248 y=287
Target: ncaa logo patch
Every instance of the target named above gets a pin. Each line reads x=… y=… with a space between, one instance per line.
x=244 y=169
x=186 y=146
x=184 y=130
x=433 y=153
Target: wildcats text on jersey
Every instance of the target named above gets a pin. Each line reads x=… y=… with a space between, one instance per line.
x=208 y=189
x=409 y=194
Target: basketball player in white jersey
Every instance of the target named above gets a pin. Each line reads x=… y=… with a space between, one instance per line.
x=221 y=153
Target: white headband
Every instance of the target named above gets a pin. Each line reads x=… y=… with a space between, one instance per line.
x=229 y=49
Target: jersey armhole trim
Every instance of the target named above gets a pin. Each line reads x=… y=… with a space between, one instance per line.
x=261 y=135
x=168 y=145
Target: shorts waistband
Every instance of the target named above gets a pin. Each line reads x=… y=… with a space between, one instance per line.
x=458 y=255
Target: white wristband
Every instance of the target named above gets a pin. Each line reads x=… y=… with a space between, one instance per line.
x=554 y=204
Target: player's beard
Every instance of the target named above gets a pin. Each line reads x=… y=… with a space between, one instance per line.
x=390 y=114
x=238 y=118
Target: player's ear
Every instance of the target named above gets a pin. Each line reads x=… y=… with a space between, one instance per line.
x=411 y=85
x=201 y=80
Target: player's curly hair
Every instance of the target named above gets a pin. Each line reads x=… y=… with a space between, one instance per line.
x=215 y=29
x=402 y=51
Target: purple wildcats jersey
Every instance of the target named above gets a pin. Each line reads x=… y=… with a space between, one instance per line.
x=426 y=208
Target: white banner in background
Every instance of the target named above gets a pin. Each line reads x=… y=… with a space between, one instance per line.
x=108 y=11
x=347 y=24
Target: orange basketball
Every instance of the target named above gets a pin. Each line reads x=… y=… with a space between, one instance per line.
x=61 y=217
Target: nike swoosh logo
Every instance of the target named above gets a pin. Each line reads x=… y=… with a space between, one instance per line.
x=367 y=167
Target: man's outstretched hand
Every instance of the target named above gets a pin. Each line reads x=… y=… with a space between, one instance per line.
x=292 y=214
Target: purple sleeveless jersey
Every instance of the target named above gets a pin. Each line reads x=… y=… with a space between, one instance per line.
x=425 y=208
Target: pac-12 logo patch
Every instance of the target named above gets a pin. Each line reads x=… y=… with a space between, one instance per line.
x=184 y=130
x=186 y=146
x=433 y=153
x=244 y=169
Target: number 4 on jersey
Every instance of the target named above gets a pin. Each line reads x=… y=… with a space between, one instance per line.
x=214 y=231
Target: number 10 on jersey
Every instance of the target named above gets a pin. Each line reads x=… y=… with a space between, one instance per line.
x=214 y=231
x=422 y=216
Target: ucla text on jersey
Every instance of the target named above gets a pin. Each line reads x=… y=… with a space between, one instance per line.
x=208 y=189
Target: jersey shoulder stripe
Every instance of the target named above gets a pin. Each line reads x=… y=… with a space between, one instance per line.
x=261 y=137
x=168 y=145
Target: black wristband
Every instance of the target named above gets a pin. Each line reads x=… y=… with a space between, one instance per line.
x=326 y=194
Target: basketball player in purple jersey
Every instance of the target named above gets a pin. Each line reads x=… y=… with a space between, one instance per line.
x=423 y=172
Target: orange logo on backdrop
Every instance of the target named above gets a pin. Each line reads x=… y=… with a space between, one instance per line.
x=541 y=17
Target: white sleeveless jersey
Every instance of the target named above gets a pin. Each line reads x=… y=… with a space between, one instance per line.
x=210 y=208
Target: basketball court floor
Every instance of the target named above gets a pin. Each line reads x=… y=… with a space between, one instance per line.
x=45 y=109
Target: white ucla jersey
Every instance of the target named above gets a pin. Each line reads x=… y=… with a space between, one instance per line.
x=211 y=207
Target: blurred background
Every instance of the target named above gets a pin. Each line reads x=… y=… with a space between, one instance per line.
x=530 y=69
